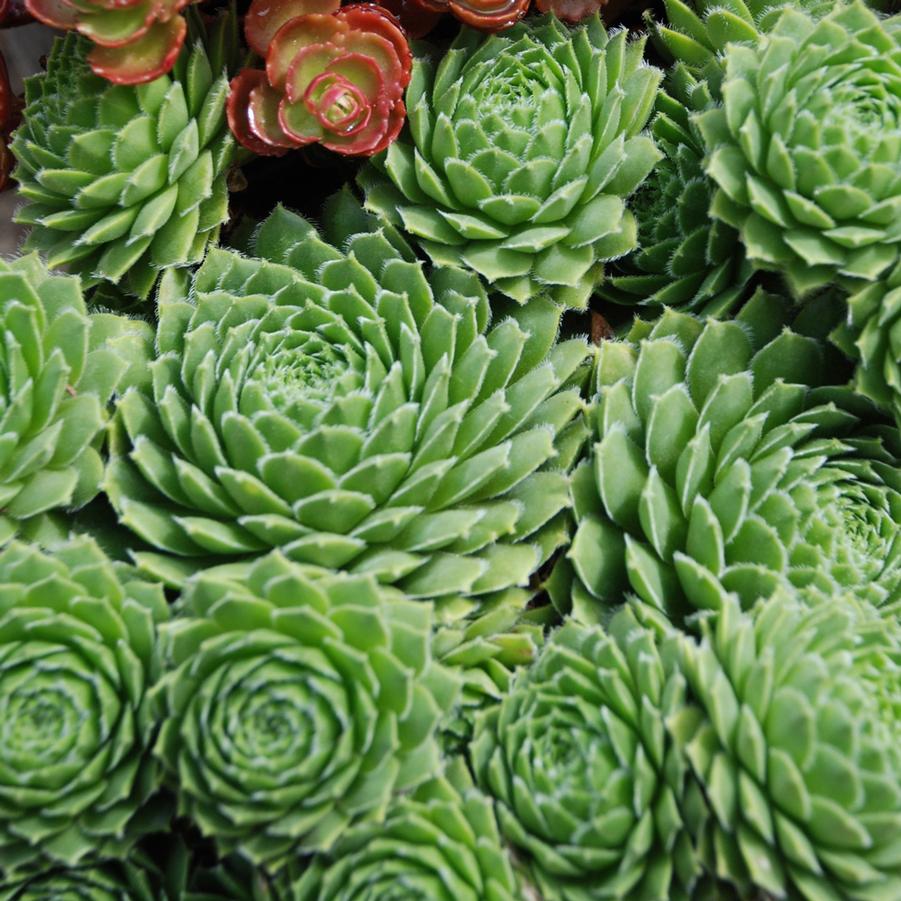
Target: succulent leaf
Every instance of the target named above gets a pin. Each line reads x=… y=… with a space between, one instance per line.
x=78 y=658
x=299 y=702
x=121 y=182
x=522 y=149
x=723 y=454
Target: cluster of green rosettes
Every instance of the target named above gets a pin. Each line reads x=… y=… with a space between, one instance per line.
x=349 y=570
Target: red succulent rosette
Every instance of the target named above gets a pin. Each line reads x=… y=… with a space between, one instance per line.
x=334 y=76
x=135 y=40
x=485 y=15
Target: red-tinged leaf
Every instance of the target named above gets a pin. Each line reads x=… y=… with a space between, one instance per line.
x=384 y=126
x=266 y=17
x=368 y=17
x=150 y=56
x=362 y=72
x=294 y=36
x=306 y=65
x=299 y=123
x=571 y=11
x=237 y=110
x=396 y=119
x=118 y=27
x=416 y=18
x=340 y=105
x=490 y=16
x=113 y=4
x=263 y=117
x=381 y=53
x=56 y=13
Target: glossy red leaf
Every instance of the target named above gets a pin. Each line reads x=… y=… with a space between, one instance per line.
x=152 y=55
x=237 y=111
x=489 y=16
x=266 y=17
x=119 y=27
x=56 y=13
x=374 y=19
x=306 y=65
x=374 y=47
x=264 y=120
x=297 y=34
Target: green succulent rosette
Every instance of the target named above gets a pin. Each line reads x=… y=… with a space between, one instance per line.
x=718 y=457
x=684 y=259
x=590 y=788
x=440 y=843
x=792 y=733
x=804 y=147
x=696 y=32
x=332 y=398
x=871 y=335
x=299 y=702
x=522 y=150
x=123 y=181
x=78 y=656
x=59 y=367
